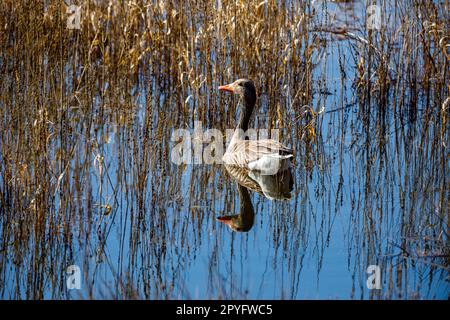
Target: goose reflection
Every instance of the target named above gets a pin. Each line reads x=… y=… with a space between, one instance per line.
x=273 y=187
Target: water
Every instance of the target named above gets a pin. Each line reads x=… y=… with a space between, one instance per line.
x=370 y=187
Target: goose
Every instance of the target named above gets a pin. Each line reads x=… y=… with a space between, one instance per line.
x=265 y=156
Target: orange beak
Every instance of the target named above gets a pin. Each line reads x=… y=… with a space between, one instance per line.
x=225 y=219
x=227 y=87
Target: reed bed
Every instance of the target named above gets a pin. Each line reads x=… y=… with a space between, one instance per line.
x=87 y=115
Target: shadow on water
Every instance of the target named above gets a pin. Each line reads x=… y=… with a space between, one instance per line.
x=87 y=179
x=273 y=187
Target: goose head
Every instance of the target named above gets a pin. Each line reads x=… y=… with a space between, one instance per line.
x=245 y=89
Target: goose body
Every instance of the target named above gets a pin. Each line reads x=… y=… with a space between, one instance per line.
x=265 y=156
